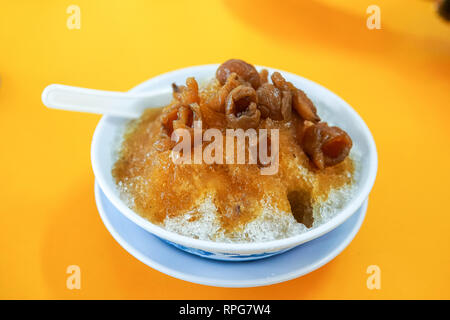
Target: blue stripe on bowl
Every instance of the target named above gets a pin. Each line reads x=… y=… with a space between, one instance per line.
x=224 y=255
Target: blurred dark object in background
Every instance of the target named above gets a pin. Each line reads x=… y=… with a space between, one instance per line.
x=444 y=9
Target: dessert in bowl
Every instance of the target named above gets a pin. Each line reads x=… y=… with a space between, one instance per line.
x=326 y=162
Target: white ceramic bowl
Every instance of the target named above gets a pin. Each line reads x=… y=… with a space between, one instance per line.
x=330 y=107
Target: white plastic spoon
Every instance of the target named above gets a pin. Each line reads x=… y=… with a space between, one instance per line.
x=122 y=104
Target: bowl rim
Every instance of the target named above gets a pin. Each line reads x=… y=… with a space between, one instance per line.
x=239 y=248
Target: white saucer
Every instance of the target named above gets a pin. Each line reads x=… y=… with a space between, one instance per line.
x=182 y=265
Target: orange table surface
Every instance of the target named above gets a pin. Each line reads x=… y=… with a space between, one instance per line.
x=397 y=78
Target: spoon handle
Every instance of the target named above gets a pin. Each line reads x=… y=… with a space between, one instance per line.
x=122 y=104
